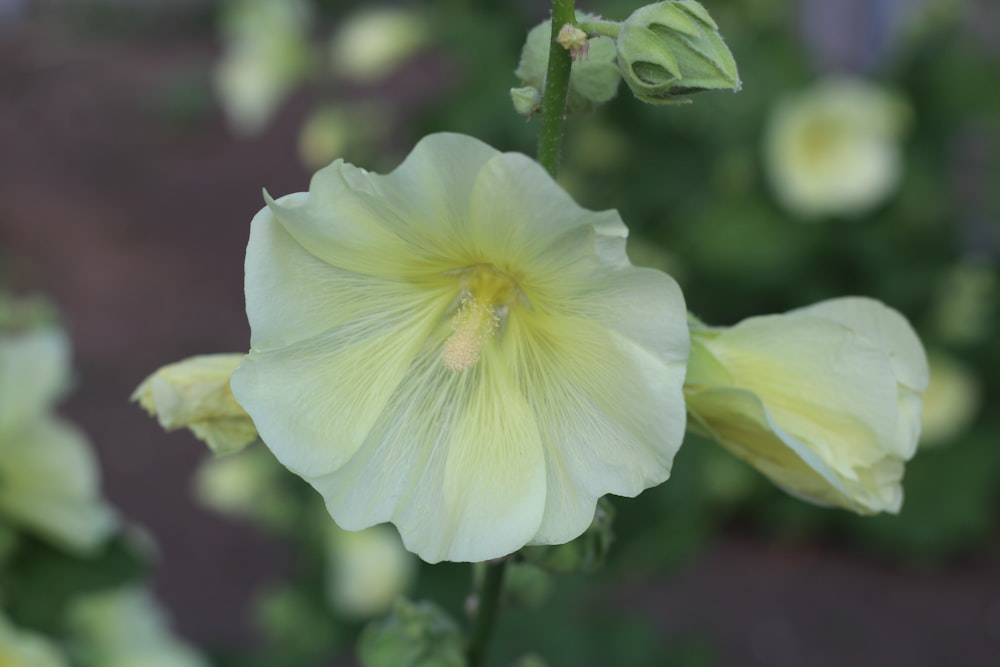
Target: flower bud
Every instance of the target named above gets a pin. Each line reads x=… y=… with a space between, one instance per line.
x=671 y=49
x=527 y=100
x=195 y=393
x=825 y=400
x=414 y=635
x=593 y=80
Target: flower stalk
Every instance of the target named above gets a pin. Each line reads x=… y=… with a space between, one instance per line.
x=556 y=89
x=486 y=611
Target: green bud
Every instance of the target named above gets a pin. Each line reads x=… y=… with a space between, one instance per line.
x=527 y=100
x=527 y=585
x=530 y=660
x=671 y=49
x=585 y=554
x=413 y=635
x=593 y=79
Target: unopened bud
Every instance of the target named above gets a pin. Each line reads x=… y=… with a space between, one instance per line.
x=671 y=49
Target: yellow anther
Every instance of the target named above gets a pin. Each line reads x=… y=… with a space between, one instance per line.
x=484 y=301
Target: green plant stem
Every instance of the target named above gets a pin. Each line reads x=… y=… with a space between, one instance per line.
x=601 y=28
x=486 y=611
x=556 y=88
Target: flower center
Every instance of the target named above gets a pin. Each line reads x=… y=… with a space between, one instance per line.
x=484 y=302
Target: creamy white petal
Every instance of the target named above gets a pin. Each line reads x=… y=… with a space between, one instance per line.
x=454 y=461
x=885 y=328
x=610 y=413
x=819 y=380
x=315 y=401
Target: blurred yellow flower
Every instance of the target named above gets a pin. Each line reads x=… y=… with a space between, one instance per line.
x=823 y=400
x=950 y=402
x=265 y=55
x=20 y=648
x=458 y=348
x=48 y=475
x=835 y=149
x=195 y=394
x=366 y=570
x=371 y=43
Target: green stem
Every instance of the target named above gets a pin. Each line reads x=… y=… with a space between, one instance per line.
x=556 y=89
x=601 y=28
x=486 y=611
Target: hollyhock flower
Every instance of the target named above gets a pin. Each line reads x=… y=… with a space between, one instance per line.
x=824 y=400
x=48 y=475
x=458 y=348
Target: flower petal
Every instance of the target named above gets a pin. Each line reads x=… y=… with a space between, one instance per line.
x=822 y=382
x=886 y=329
x=737 y=419
x=454 y=460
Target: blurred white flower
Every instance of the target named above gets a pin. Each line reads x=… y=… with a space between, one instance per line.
x=950 y=402
x=371 y=43
x=366 y=570
x=835 y=149
x=265 y=55
x=48 y=475
x=126 y=628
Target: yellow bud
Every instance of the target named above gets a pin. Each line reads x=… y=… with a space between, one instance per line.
x=195 y=394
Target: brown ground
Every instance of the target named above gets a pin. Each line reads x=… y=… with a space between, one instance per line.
x=137 y=232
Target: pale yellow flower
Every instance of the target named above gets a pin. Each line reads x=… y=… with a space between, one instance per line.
x=48 y=475
x=266 y=54
x=195 y=394
x=950 y=402
x=366 y=570
x=835 y=149
x=458 y=348
x=371 y=43
x=824 y=400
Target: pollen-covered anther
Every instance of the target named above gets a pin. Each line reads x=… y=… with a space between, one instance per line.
x=474 y=324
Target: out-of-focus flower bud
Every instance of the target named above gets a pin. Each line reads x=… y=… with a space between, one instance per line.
x=672 y=49
x=367 y=569
x=593 y=80
x=372 y=43
x=195 y=394
x=414 y=635
x=950 y=402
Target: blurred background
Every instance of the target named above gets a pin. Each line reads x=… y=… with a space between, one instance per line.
x=861 y=157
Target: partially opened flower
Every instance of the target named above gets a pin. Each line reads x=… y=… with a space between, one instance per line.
x=824 y=400
x=195 y=394
x=458 y=348
x=48 y=475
